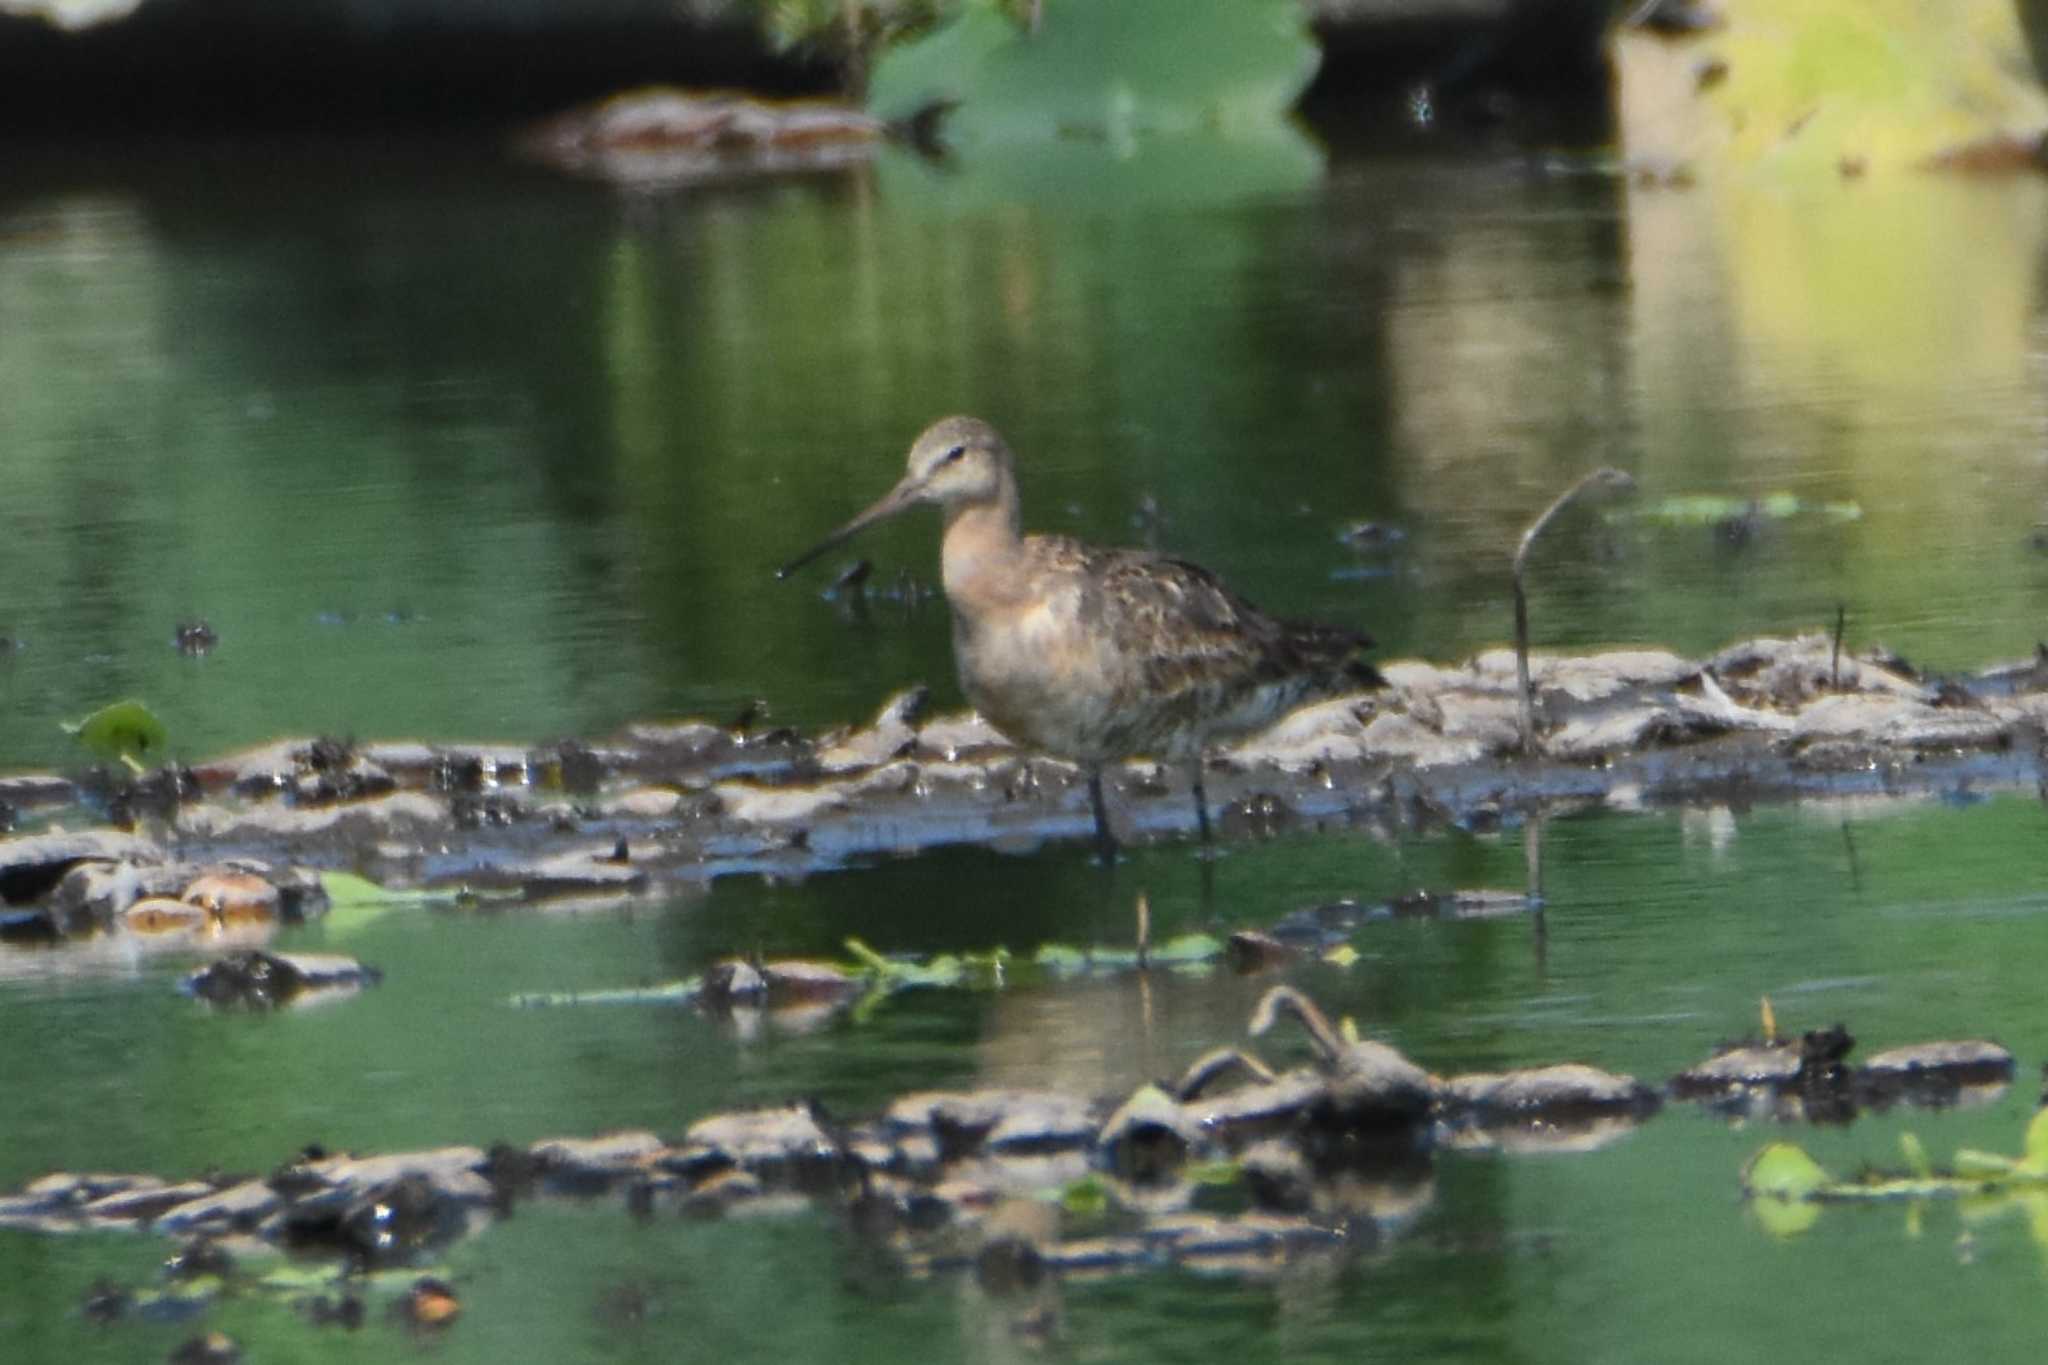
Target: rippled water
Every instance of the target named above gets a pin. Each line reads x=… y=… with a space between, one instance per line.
x=445 y=448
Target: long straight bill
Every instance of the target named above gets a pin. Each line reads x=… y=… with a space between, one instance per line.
x=895 y=500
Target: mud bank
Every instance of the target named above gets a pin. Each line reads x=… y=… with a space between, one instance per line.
x=1233 y=1167
x=663 y=805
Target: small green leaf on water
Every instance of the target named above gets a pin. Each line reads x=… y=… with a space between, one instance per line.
x=122 y=730
x=347 y=891
x=1917 y=1160
x=1057 y=957
x=294 y=1277
x=1343 y=955
x=1188 y=948
x=1705 y=509
x=1972 y=1164
x=1783 y=1171
x=1214 y=1172
x=1085 y=1198
x=2035 y=1160
x=868 y=958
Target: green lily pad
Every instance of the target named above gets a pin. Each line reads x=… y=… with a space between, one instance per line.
x=1784 y=1171
x=125 y=731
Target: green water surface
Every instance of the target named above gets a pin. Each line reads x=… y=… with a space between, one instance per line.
x=450 y=448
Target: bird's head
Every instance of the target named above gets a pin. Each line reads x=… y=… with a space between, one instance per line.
x=955 y=462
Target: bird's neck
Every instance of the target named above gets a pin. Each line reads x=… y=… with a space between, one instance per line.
x=981 y=555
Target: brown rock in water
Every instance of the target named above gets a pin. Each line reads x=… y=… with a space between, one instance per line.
x=1935 y=1075
x=1972 y=1059
x=1564 y=1108
x=92 y=895
x=1250 y=951
x=1550 y=1093
x=160 y=917
x=1017 y=1121
x=453 y=1172
x=580 y=872
x=234 y=897
x=1806 y=1079
x=778 y=1146
x=1741 y=1064
x=590 y=1165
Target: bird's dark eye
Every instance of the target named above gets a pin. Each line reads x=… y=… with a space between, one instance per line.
x=953 y=456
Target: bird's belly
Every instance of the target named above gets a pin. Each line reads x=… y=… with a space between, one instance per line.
x=1043 y=685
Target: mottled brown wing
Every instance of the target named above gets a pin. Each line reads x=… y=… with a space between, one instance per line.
x=1195 y=635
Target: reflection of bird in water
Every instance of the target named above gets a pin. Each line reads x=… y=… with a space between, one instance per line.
x=1096 y=655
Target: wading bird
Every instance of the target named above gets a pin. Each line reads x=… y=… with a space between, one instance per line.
x=1095 y=655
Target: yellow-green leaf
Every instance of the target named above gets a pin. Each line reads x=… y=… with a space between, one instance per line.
x=122 y=730
x=1783 y=1171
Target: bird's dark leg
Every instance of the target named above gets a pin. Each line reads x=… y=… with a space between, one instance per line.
x=1105 y=842
x=1201 y=800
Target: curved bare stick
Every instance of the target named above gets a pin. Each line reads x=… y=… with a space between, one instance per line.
x=1605 y=478
x=1206 y=1069
x=1305 y=1012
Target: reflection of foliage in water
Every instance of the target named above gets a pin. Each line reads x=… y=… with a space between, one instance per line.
x=1106 y=71
x=1787 y=1187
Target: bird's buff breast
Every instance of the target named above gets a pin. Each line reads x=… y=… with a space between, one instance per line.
x=1038 y=678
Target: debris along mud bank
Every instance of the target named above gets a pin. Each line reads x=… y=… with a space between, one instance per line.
x=1232 y=1167
x=660 y=804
